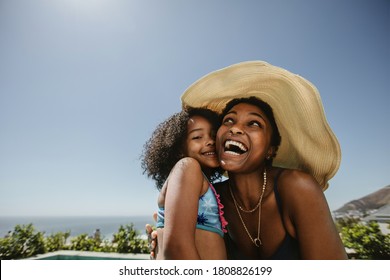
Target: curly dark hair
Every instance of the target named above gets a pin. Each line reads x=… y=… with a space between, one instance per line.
x=165 y=147
x=266 y=108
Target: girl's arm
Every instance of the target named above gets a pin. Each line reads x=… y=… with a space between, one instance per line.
x=309 y=217
x=185 y=185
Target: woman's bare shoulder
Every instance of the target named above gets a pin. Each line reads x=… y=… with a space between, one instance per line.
x=296 y=185
x=297 y=178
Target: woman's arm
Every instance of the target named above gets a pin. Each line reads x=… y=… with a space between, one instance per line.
x=185 y=185
x=309 y=217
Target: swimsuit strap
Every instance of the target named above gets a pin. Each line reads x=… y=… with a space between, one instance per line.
x=289 y=249
x=277 y=195
x=221 y=213
x=207 y=179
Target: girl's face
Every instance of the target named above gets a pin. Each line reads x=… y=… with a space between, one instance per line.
x=200 y=142
x=244 y=139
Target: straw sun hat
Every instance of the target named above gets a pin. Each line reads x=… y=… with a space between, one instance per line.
x=308 y=142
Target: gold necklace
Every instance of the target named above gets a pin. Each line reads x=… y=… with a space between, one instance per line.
x=257 y=240
x=258 y=203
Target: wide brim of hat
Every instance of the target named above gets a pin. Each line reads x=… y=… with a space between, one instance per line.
x=308 y=143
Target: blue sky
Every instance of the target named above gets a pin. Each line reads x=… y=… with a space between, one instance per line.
x=84 y=83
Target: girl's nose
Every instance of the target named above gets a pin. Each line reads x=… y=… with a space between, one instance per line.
x=210 y=142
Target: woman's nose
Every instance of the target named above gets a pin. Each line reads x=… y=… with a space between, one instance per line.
x=236 y=130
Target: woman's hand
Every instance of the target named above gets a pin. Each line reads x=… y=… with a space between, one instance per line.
x=152 y=238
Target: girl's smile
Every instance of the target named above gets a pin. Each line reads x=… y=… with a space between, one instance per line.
x=200 y=142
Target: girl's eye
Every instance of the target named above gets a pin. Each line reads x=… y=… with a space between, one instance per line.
x=196 y=137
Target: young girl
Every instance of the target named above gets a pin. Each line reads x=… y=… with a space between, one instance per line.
x=180 y=156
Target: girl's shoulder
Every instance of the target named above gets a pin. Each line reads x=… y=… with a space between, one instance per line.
x=188 y=163
x=188 y=171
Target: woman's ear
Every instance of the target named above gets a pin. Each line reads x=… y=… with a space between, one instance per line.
x=271 y=153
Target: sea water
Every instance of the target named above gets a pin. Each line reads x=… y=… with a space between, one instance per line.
x=76 y=225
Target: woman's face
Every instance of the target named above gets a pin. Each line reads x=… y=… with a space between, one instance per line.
x=244 y=139
x=200 y=142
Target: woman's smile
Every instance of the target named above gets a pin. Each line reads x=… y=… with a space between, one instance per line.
x=235 y=147
x=243 y=138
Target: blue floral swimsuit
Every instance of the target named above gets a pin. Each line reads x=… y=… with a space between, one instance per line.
x=210 y=214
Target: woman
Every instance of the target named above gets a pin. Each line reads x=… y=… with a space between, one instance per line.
x=273 y=212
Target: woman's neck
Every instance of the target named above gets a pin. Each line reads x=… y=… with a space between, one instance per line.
x=247 y=187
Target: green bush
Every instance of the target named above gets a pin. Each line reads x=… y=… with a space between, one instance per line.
x=23 y=242
x=84 y=243
x=127 y=241
x=57 y=241
x=366 y=240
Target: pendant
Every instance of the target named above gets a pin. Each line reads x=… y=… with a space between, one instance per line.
x=257 y=242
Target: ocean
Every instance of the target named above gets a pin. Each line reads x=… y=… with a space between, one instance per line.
x=76 y=225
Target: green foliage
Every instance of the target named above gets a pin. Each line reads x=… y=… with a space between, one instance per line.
x=106 y=246
x=366 y=240
x=57 y=241
x=23 y=242
x=84 y=243
x=346 y=222
x=127 y=241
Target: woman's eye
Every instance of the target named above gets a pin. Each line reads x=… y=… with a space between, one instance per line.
x=255 y=123
x=227 y=121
